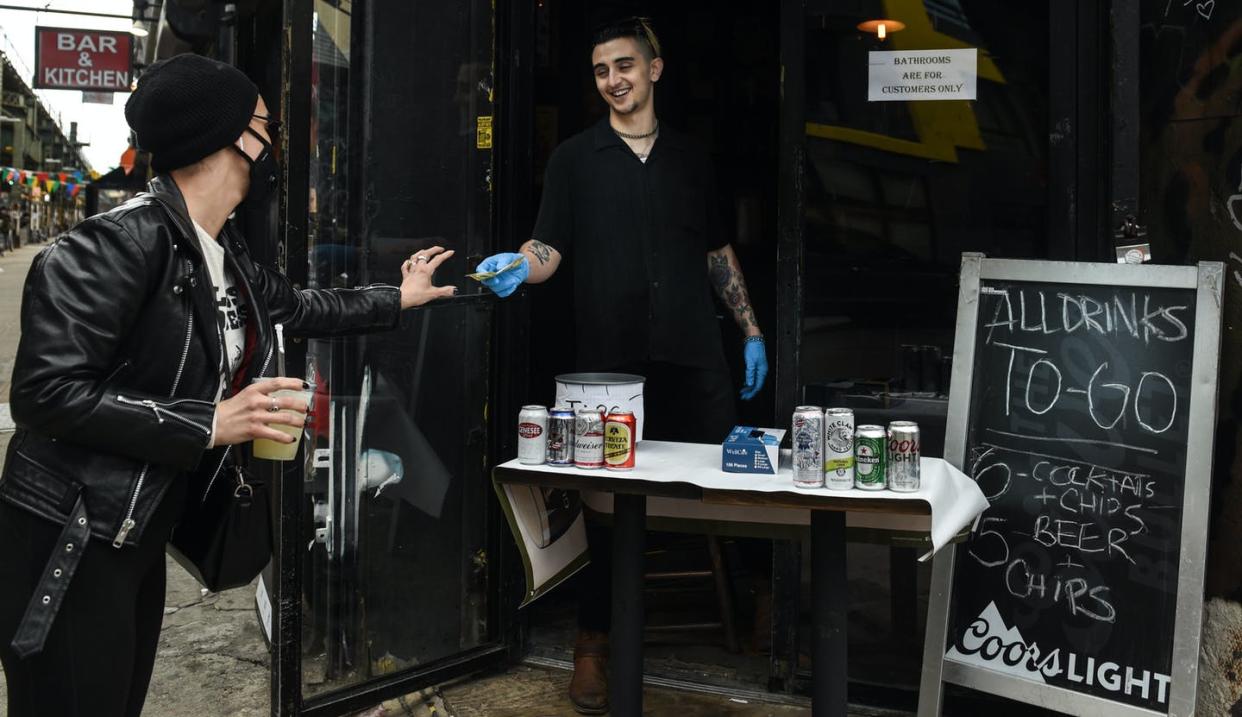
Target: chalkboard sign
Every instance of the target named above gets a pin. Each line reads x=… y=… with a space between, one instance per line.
x=1083 y=403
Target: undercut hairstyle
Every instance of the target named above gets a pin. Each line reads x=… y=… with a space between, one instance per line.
x=638 y=28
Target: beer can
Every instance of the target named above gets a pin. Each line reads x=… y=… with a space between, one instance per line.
x=589 y=438
x=808 y=447
x=870 y=457
x=903 y=456
x=561 y=437
x=839 y=448
x=620 y=429
x=532 y=435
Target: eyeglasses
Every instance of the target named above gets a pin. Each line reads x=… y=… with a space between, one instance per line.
x=273 y=126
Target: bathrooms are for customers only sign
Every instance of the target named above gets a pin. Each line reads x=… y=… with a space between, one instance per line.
x=912 y=75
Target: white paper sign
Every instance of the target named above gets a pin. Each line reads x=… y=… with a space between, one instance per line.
x=912 y=75
x=625 y=397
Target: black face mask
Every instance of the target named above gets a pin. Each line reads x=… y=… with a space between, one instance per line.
x=264 y=172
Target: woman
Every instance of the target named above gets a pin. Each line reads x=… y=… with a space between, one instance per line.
x=142 y=331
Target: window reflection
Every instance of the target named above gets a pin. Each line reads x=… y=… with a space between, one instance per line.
x=896 y=191
x=395 y=575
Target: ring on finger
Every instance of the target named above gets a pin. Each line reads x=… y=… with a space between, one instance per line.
x=275 y=405
x=419 y=258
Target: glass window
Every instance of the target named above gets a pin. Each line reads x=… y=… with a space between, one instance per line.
x=396 y=495
x=894 y=193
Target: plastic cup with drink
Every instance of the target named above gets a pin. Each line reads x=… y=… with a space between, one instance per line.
x=267 y=448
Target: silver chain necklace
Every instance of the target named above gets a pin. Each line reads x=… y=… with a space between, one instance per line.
x=645 y=135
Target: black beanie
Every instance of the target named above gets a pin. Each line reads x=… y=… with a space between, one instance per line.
x=187 y=107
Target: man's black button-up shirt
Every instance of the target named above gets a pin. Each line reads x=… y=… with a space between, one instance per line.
x=636 y=235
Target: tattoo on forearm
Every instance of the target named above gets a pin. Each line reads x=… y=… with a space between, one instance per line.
x=730 y=286
x=719 y=273
x=540 y=251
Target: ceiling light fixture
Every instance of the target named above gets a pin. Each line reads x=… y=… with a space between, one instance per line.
x=881 y=28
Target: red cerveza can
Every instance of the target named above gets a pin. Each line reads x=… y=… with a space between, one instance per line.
x=620 y=430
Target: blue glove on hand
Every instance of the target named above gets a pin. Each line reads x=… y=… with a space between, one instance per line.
x=756 y=355
x=508 y=282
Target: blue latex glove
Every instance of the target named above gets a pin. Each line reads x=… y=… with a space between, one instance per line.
x=756 y=355
x=508 y=282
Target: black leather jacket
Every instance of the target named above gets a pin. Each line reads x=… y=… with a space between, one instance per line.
x=116 y=373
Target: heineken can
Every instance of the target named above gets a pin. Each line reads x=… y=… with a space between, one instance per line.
x=808 y=447
x=870 y=453
x=561 y=437
x=903 y=456
x=839 y=448
x=532 y=435
x=589 y=438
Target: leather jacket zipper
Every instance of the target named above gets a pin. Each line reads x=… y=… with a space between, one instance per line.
x=262 y=370
x=128 y=523
x=161 y=410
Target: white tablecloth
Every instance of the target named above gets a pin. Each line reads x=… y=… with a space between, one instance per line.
x=954 y=498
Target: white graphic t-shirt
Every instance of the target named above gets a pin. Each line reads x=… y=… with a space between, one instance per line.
x=231 y=309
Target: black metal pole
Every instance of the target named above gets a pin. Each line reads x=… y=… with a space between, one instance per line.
x=1124 y=98
x=295 y=100
x=787 y=345
x=830 y=598
x=69 y=12
x=629 y=538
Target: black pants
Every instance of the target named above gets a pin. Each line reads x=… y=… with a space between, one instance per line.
x=683 y=404
x=99 y=654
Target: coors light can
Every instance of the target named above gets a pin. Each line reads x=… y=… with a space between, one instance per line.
x=808 y=447
x=839 y=448
x=903 y=456
x=561 y=437
x=532 y=435
x=589 y=438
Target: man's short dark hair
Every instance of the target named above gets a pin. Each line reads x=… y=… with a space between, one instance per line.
x=637 y=28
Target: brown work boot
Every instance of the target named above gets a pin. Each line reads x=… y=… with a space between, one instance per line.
x=588 y=688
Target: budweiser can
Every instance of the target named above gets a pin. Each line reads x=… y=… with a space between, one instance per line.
x=903 y=456
x=808 y=447
x=532 y=435
x=561 y=437
x=839 y=448
x=870 y=457
x=589 y=438
x=619 y=441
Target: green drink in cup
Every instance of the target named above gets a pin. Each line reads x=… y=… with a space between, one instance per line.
x=273 y=450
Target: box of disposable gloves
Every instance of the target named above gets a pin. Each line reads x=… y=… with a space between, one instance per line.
x=751 y=450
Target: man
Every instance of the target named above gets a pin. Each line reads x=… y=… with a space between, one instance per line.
x=631 y=205
x=142 y=331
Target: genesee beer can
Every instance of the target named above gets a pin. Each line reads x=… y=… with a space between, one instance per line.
x=808 y=447
x=903 y=456
x=589 y=438
x=561 y=437
x=870 y=452
x=619 y=441
x=532 y=435
x=839 y=448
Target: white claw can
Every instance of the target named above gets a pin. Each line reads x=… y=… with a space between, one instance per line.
x=839 y=448
x=808 y=447
x=532 y=435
